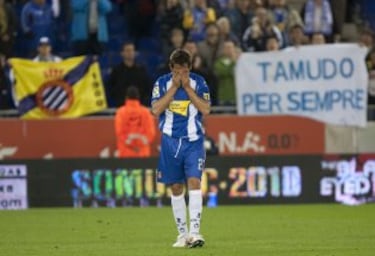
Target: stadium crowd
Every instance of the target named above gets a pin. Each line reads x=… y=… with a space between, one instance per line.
x=133 y=38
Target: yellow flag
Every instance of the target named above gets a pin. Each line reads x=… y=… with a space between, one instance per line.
x=70 y=88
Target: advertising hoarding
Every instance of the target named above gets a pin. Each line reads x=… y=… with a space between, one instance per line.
x=121 y=183
x=13 y=187
x=346 y=179
x=95 y=137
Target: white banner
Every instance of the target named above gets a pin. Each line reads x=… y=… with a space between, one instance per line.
x=327 y=83
x=13 y=187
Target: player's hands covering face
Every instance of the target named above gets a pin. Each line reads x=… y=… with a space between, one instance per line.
x=176 y=78
x=180 y=76
x=185 y=78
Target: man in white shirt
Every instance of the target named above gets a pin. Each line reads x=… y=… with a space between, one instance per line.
x=44 y=55
x=45 y=51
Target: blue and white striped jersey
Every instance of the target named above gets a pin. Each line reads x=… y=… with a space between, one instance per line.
x=181 y=118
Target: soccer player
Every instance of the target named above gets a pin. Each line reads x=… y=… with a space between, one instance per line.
x=180 y=99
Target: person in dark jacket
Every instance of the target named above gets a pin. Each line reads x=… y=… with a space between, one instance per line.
x=128 y=73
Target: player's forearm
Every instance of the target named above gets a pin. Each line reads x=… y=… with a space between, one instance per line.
x=162 y=104
x=202 y=105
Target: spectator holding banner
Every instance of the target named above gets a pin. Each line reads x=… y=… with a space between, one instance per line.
x=45 y=52
x=272 y=44
x=135 y=127
x=366 y=39
x=296 y=36
x=318 y=38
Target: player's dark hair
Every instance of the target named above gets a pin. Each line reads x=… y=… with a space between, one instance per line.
x=180 y=57
x=132 y=93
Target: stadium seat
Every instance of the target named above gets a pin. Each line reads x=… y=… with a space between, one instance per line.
x=151 y=61
x=149 y=44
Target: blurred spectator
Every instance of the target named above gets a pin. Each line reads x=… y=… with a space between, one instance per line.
x=171 y=15
x=176 y=40
x=296 y=36
x=134 y=126
x=219 y=6
x=284 y=16
x=5 y=92
x=259 y=3
x=55 y=6
x=89 y=26
x=318 y=38
x=212 y=47
x=371 y=70
x=318 y=18
x=366 y=39
x=45 y=52
x=255 y=36
x=226 y=5
x=339 y=14
x=196 y=18
x=140 y=16
x=352 y=11
x=199 y=67
x=224 y=71
x=240 y=17
x=272 y=44
x=225 y=31
x=61 y=9
x=37 y=22
x=8 y=28
x=126 y=74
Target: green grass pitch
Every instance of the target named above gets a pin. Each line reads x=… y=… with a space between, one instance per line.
x=301 y=230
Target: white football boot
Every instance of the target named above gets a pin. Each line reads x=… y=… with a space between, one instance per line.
x=195 y=240
x=181 y=241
